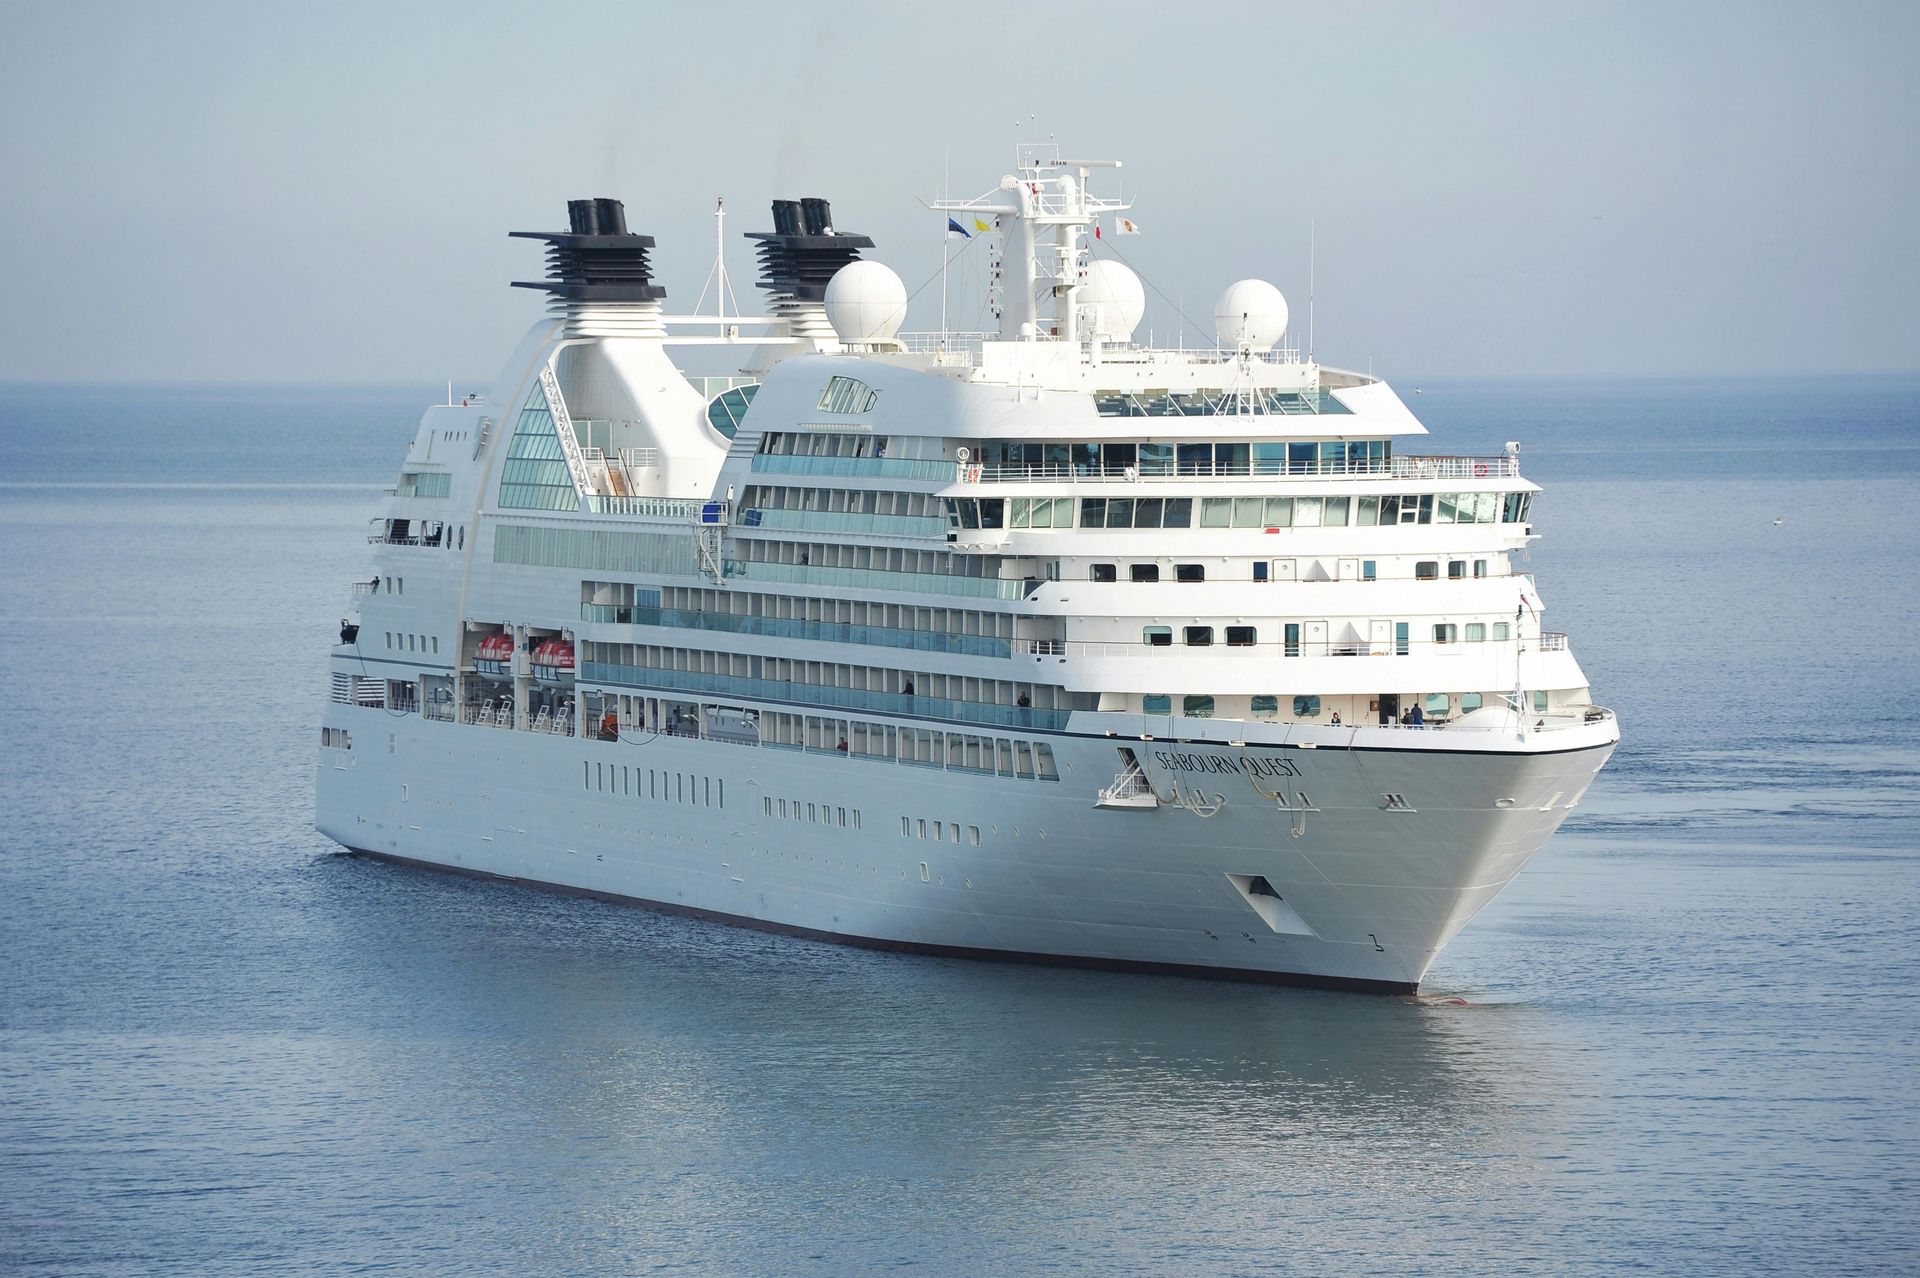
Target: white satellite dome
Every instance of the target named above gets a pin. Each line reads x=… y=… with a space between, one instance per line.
x=1113 y=299
x=866 y=303
x=1251 y=313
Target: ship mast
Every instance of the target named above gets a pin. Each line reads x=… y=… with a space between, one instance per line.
x=1045 y=208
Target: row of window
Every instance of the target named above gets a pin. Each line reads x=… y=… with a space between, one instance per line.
x=1240 y=512
x=921 y=747
x=429 y=644
x=1198 y=457
x=814 y=813
x=686 y=788
x=921 y=828
x=1432 y=704
x=1283 y=569
x=1198 y=636
x=821 y=443
x=424 y=484
x=336 y=738
x=855 y=501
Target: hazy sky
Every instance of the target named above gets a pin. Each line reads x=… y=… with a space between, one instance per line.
x=321 y=192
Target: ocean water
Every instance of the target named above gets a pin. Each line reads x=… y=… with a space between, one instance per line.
x=1689 y=1042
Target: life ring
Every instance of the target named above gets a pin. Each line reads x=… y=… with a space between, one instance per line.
x=973 y=474
x=1479 y=470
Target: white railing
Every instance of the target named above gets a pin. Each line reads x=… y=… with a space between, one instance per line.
x=1477 y=468
x=576 y=464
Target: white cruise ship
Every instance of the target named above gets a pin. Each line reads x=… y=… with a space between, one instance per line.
x=1039 y=644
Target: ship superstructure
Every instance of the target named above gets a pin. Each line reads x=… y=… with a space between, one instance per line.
x=1039 y=643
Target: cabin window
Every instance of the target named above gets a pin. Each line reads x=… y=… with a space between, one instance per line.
x=1241 y=636
x=1502 y=631
x=1476 y=632
x=1103 y=572
x=1291 y=646
x=1266 y=706
x=1369 y=570
x=1306 y=707
x=1402 y=640
x=1198 y=636
x=1438 y=703
x=1197 y=707
x=1446 y=632
x=1427 y=570
x=1470 y=701
x=1190 y=572
x=1540 y=702
x=1479 y=567
x=1157 y=636
x=1456 y=569
x=1146 y=572
x=1157 y=703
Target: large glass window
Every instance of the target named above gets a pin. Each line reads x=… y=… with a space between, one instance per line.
x=1157 y=703
x=1197 y=707
x=1470 y=701
x=1306 y=707
x=847 y=395
x=1266 y=706
x=534 y=475
x=1438 y=703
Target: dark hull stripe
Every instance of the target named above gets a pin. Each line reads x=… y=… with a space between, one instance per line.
x=1304 y=979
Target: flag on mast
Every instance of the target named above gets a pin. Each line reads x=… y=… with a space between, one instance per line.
x=978 y=225
x=1127 y=227
x=954 y=228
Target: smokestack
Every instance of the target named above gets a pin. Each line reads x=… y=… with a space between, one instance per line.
x=613 y=216
x=582 y=217
x=786 y=217
x=817 y=216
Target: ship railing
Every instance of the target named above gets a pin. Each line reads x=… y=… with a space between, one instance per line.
x=950 y=350
x=1473 y=468
x=366 y=587
x=1283 y=649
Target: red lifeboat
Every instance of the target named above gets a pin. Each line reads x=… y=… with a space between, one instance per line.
x=554 y=654
x=497 y=647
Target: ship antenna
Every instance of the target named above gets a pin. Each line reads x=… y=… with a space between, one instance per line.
x=720 y=260
x=1313 y=245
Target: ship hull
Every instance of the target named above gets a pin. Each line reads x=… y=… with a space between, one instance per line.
x=1342 y=867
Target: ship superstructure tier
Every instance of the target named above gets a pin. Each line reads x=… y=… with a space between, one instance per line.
x=1039 y=643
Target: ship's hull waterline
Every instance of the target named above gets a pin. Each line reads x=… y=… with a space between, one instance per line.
x=1337 y=888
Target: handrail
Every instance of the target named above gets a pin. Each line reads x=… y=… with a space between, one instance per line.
x=1502 y=466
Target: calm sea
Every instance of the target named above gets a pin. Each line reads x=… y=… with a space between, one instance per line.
x=1690 y=1045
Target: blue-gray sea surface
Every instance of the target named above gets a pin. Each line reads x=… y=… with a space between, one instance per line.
x=1689 y=1043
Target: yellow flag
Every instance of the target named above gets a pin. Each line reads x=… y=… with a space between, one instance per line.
x=978 y=225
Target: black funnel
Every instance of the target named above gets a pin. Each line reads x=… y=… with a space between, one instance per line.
x=613 y=216
x=817 y=216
